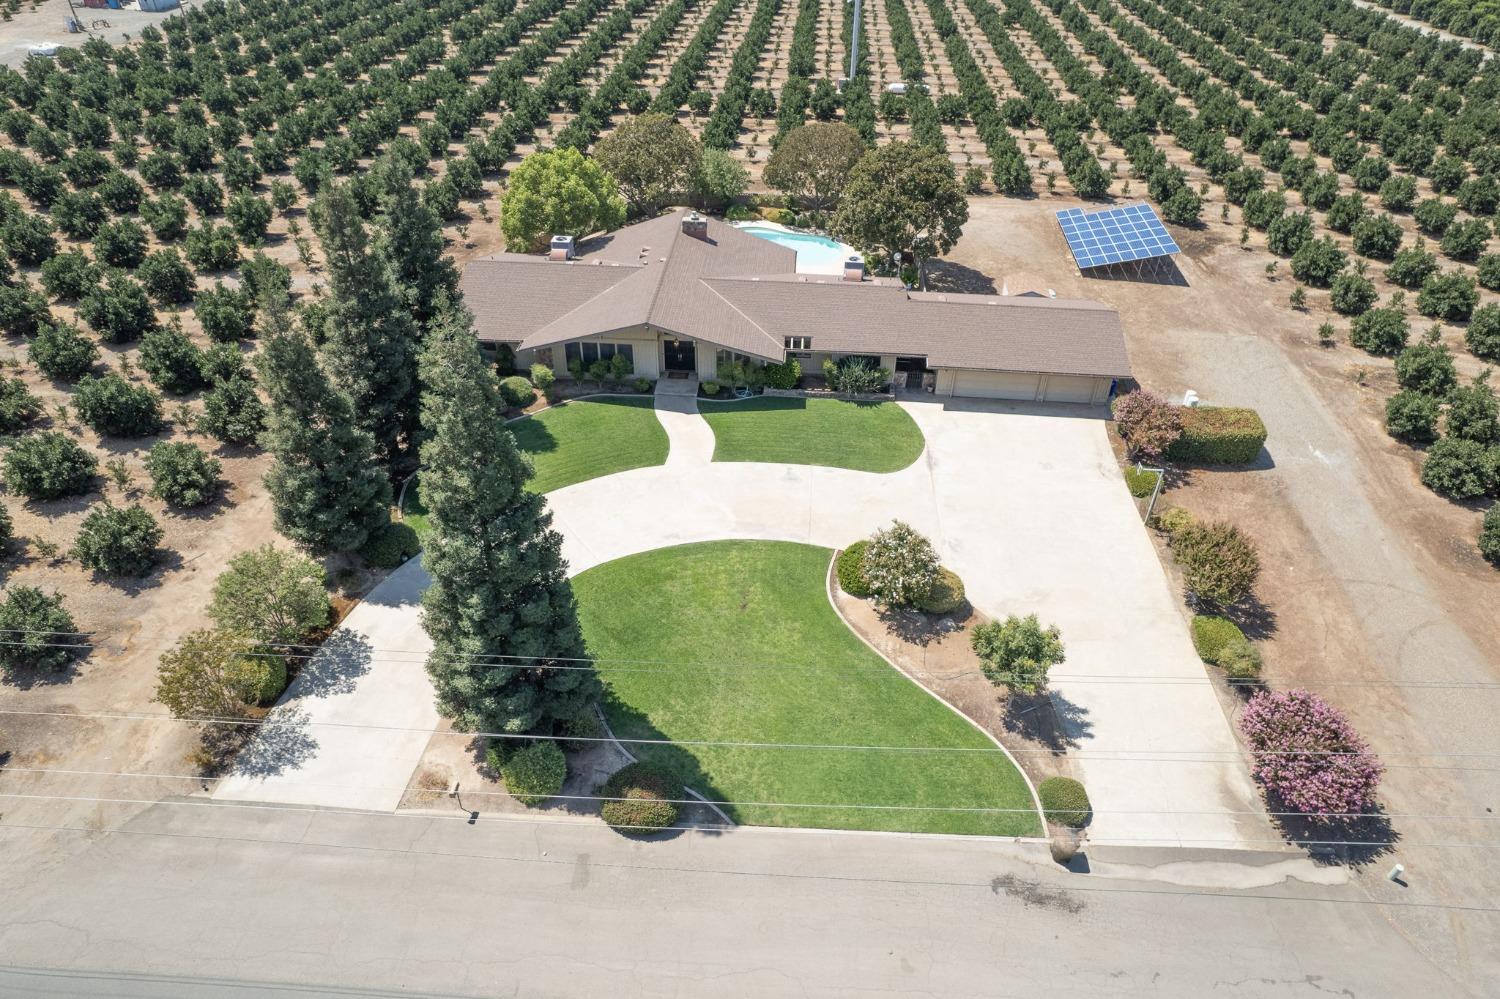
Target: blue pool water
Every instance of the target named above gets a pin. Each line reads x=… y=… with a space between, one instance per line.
x=815 y=254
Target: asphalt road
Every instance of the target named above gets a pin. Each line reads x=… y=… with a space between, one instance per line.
x=226 y=900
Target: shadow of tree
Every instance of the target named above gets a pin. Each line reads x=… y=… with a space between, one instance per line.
x=1349 y=842
x=281 y=743
x=1255 y=618
x=343 y=659
x=946 y=275
x=922 y=629
x=1049 y=719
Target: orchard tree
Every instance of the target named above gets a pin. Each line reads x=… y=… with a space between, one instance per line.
x=902 y=197
x=557 y=192
x=326 y=490
x=499 y=609
x=813 y=161
x=721 y=178
x=40 y=633
x=118 y=541
x=63 y=352
x=369 y=339
x=232 y=411
x=653 y=158
x=182 y=474
x=47 y=466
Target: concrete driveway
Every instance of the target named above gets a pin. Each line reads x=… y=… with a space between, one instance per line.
x=1025 y=502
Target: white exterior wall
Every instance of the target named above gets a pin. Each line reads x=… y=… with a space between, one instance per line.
x=645 y=347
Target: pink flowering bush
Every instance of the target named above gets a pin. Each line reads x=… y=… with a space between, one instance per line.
x=1307 y=755
x=1148 y=424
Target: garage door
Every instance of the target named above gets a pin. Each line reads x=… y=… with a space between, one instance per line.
x=995 y=384
x=1070 y=388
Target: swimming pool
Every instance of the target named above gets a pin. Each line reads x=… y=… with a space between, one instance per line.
x=815 y=254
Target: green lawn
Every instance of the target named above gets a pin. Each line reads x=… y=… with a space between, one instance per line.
x=868 y=436
x=575 y=441
x=776 y=664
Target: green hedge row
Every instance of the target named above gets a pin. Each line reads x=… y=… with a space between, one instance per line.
x=1218 y=435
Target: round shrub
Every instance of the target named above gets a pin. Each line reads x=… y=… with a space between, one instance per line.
x=1352 y=294
x=1018 y=652
x=1489 y=535
x=639 y=798
x=851 y=571
x=166 y=278
x=118 y=310
x=1412 y=416
x=1411 y=267
x=1457 y=469
x=121 y=243
x=63 y=352
x=1474 y=412
x=1451 y=297
x=1064 y=801
x=221 y=362
x=1140 y=481
x=118 y=541
x=232 y=412
x=517 y=392
x=1211 y=635
x=1380 y=331
x=1434 y=216
x=227 y=314
x=946 y=595
x=784 y=375
x=114 y=407
x=390 y=546
x=710 y=388
x=68 y=276
x=1240 y=659
x=1173 y=519
x=1307 y=755
x=1488 y=271
x=38 y=630
x=1147 y=423
x=182 y=474
x=535 y=772
x=1318 y=261
x=48 y=465
x=1426 y=367
x=1377 y=236
x=543 y=377
x=900 y=565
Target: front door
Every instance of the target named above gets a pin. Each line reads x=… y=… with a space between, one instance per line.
x=681 y=355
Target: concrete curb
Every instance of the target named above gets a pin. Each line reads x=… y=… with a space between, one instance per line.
x=1036 y=801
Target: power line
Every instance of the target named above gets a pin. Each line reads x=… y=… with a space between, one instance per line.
x=1174 y=756
x=881 y=670
x=542 y=820
x=408 y=788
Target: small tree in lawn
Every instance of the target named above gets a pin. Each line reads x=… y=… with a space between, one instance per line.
x=36 y=631
x=1219 y=563
x=900 y=566
x=271 y=595
x=1148 y=424
x=499 y=607
x=1017 y=652
x=1307 y=755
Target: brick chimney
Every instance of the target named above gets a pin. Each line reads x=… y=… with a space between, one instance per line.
x=695 y=225
x=854 y=268
x=562 y=248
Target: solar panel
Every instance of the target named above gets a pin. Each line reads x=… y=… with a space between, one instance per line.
x=1115 y=235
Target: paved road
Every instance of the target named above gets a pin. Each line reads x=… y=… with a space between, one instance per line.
x=221 y=900
x=1024 y=502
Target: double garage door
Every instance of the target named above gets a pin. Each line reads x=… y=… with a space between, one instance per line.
x=1017 y=385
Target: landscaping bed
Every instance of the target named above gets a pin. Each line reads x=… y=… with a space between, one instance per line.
x=865 y=436
x=736 y=642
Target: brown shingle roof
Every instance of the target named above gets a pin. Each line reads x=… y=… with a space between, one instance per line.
x=742 y=292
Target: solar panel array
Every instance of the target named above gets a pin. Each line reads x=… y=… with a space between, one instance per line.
x=1115 y=235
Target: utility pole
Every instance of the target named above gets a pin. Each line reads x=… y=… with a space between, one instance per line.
x=854 y=39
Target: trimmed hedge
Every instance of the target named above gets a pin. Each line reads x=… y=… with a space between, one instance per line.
x=851 y=571
x=649 y=797
x=946 y=595
x=1064 y=801
x=1211 y=635
x=1218 y=435
x=390 y=546
x=1139 y=481
x=534 y=773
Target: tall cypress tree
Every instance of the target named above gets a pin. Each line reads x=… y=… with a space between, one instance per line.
x=370 y=339
x=499 y=583
x=410 y=237
x=328 y=490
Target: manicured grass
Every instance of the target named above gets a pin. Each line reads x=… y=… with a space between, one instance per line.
x=868 y=436
x=576 y=441
x=775 y=664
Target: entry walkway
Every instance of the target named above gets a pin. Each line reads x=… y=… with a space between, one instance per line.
x=1024 y=501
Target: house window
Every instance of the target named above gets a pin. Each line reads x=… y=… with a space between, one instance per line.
x=723 y=357
x=798 y=343
x=586 y=352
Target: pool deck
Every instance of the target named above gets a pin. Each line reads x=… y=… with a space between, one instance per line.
x=804 y=266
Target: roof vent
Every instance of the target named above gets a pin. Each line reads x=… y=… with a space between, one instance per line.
x=562 y=248
x=695 y=225
x=854 y=268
